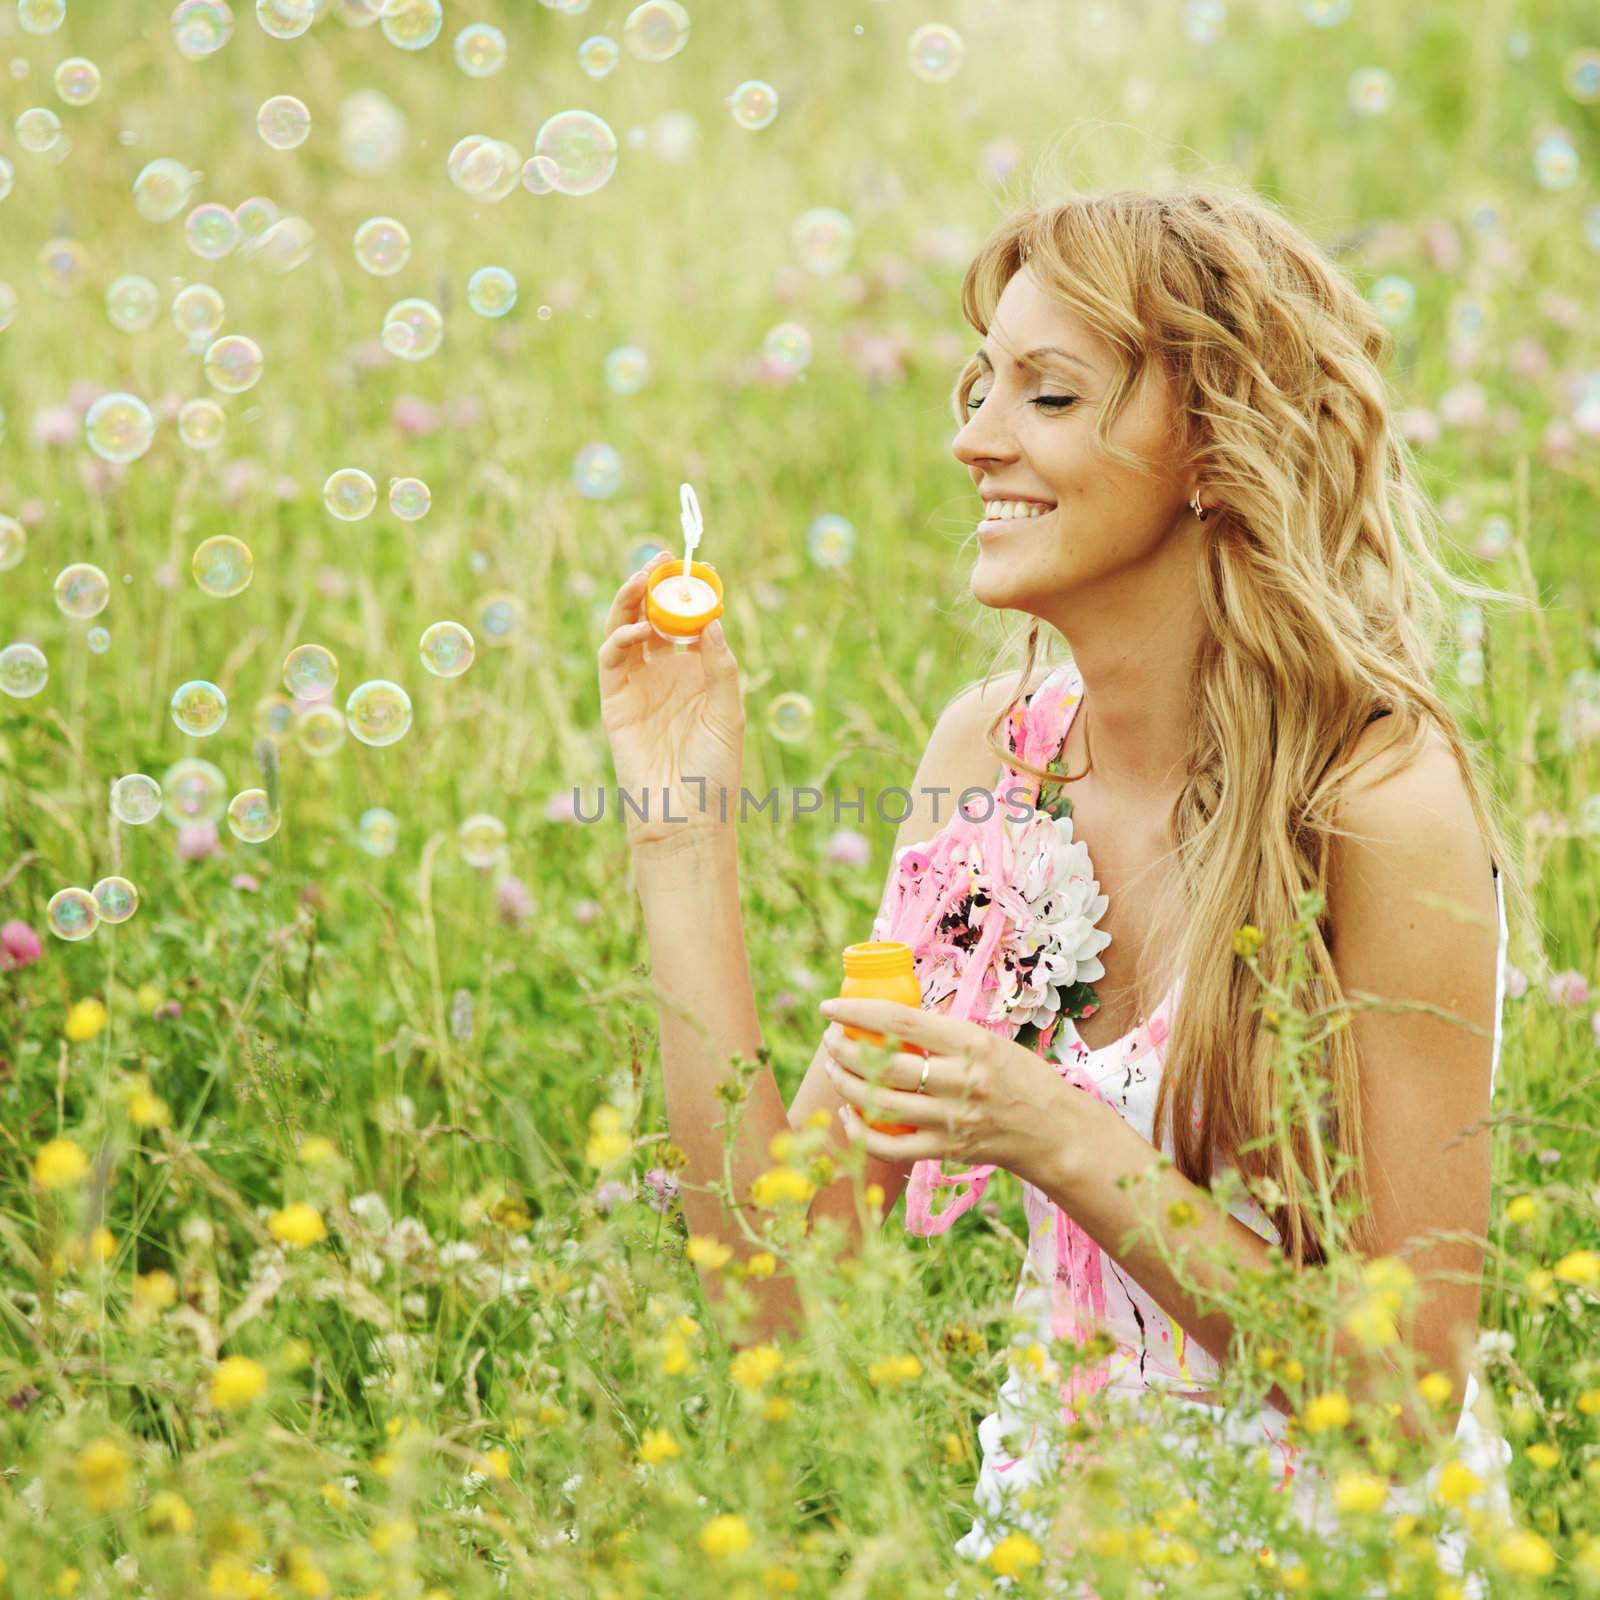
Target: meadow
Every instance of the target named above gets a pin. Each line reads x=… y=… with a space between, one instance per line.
x=341 y=1245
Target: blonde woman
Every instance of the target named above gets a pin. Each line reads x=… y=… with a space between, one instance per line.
x=1179 y=431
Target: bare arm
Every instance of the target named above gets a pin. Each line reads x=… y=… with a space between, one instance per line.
x=689 y=890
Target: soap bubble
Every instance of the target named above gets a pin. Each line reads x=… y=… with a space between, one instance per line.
x=197 y=311
x=350 y=494
x=201 y=27
x=98 y=639
x=831 y=540
x=40 y=16
x=115 y=898
x=482 y=838
x=642 y=555
x=412 y=329
x=23 y=670
x=501 y=617
x=411 y=24
x=754 y=105
x=199 y=708
x=491 y=291
x=598 y=55
x=824 y=239
x=37 y=129
x=254 y=217
x=223 y=566
x=378 y=712
x=13 y=543
x=274 y=718
x=119 y=427
x=193 y=790
x=1580 y=75
x=8 y=176
x=378 y=831
x=72 y=913
x=656 y=30
x=61 y=265
x=212 y=231
x=936 y=51
x=583 y=148
x=283 y=122
x=82 y=591
x=1394 y=299
x=383 y=246
x=233 y=363
x=409 y=498
x=787 y=347
x=372 y=132
x=627 y=369
x=1555 y=161
x=251 y=817
x=1369 y=91
x=162 y=189
x=476 y=164
x=136 y=799
x=320 y=730
x=201 y=424
x=1324 y=13
x=789 y=718
x=77 y=80
x=539 y=174
x=310 y=671
x=285 y=245
x=596 y=471
x=132 y=303
x=480 y=50
x=285 y=19
x=447 y=649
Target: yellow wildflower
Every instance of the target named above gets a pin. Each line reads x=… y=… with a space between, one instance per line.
x=780 y=1144
x=495 y=1463
x=1435 y=1388
x=237 y=1382
x=105 y=1472
x=1325 y=1411
x=149 y=996
x=305 y=1576
x=1543 y=1456
x=1581 y=1266
x=316 y=1151
x=1589 y=1402
x=231 y=1578
x=781 y=1184
x=779 y=1580
x=390 y=1535
x=1247 y=940
x=1372 y=1322
x=169 y=1513
x=1360 y=1492
x=706 y=1250
x=894 y=1370
x=58 y=1163
x=657 y=1446
x=873 y=1195
x=1526 y=1554
x=1523 y=1210
x=297 y=1224
x=102 y=1243
x=1014 y=1554
x=675 y=1356
x=146 y=1110
x=776 y=1408
x=752 y=1367
x=726 y=1535
x=1180 y=1214
x=66 y=1582
x=1457 y=1484
x=761 y=1265
x=334 y=1495
x=608 y=1143
x=86 y=1020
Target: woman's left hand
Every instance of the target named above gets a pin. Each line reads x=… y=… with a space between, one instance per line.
x=987 y=1100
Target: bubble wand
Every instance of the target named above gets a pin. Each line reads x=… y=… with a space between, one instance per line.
x=682 y=600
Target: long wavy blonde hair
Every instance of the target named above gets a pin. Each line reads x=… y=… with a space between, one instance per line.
x=1314 y=588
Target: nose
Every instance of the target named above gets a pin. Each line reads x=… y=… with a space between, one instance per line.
x=983 y=440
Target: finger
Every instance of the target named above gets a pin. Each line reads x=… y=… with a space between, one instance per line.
x=900 y=1149
x=616 y=652
x=903 y=1070
x=628 y=602
x=883 y=1103
x=931 y=1030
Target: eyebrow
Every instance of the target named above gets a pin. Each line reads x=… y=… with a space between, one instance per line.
x=981 y=356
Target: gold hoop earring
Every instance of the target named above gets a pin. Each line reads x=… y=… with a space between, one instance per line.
x=1197 y=508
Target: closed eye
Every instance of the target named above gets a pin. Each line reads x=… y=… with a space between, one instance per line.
x=1049 y=402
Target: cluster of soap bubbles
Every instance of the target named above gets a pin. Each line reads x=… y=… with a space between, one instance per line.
x=75 y=913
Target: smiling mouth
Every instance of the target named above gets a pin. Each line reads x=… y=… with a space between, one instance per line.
x=1000 y=524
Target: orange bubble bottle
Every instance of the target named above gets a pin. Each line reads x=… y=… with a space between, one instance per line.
x=881 y=969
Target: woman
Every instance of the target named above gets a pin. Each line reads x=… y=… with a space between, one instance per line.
x=1180 y=408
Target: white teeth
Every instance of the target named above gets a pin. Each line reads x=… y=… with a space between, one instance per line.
x=1000 y=510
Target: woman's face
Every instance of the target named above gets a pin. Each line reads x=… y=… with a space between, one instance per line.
x=1028 y=435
